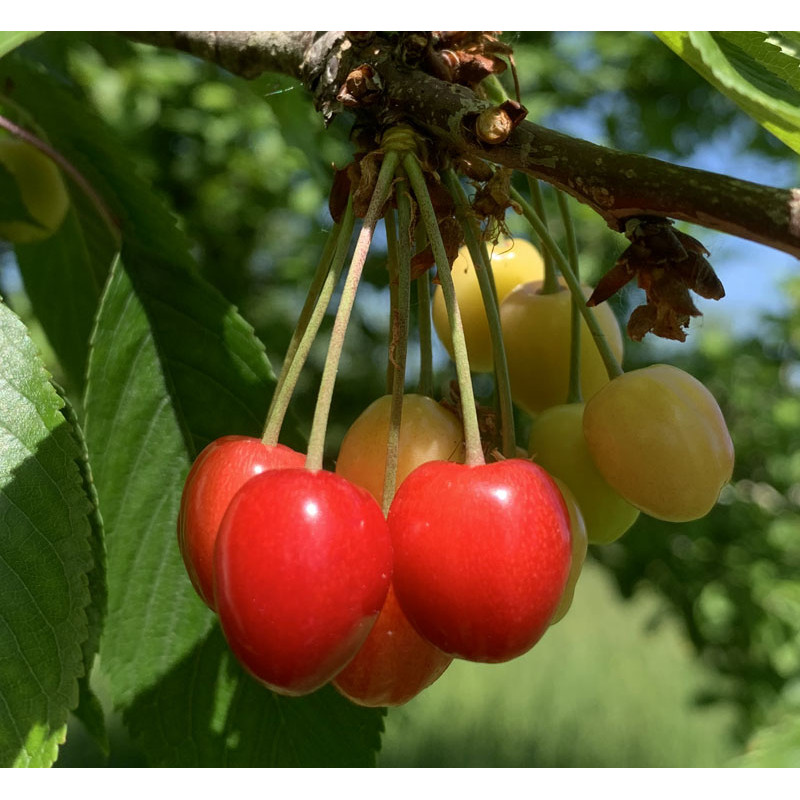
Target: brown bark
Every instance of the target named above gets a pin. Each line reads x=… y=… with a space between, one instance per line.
x=615 y=184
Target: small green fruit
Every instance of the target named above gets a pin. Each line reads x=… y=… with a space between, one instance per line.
x=41 y=188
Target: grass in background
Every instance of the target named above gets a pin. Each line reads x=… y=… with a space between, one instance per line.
x=599 y=690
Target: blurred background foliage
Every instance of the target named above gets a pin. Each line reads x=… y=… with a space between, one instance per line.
x=684 y=639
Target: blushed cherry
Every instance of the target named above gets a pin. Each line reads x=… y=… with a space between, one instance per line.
x=220 y=470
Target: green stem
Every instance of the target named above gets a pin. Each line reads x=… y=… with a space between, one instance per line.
x=472 y=438
x=613 y=367
x=316 y=439
x=483 y=271
x=391 y=246
x=399 y=346
x=550 y=284
x=323 y=269
x=295 y=361
x=574 y=394
x=494 y=90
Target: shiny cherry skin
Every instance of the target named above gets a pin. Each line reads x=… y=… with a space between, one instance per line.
x=220 y=470
x=482 y=555
x=394 y=664
x=302 y=566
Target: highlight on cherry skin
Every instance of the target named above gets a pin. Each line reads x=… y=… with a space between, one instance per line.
x=513 y=261
x=395 y=663
x=302 y=566
x=481 y=555
x=220 y=470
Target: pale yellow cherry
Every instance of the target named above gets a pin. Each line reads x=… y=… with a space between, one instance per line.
x=428 y=432
x=41 y=188
x=557 y=443
x=659 y=438
x=514 y=261
x=536 y=333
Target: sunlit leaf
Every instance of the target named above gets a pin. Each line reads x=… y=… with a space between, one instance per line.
x=752 y=69
x=45 y=556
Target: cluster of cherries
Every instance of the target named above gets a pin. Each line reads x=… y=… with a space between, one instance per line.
x=314 y=584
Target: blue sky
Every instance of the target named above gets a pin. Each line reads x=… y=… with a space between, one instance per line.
x=751 y=273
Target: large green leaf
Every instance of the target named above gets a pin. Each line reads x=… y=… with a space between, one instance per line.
x=12 y=39
x=139 y=456
x=758 y=70
x=45 y=556
x=212 y=714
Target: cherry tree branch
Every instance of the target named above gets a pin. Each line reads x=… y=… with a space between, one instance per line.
x=616 y=185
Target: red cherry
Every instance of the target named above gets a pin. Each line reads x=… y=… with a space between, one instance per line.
x=302 y=566
x=395 y=663
x=220 y=470
x=481 y=555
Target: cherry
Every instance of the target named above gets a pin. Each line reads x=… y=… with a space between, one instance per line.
x=394 y=664
x=658 y=437
x=302 y=565
x=41 y=188
x=482 y=555
x=220 y=470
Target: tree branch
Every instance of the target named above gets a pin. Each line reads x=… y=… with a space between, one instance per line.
x=616 y=185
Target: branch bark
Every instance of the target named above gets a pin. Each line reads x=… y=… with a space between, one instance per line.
x=616 y=185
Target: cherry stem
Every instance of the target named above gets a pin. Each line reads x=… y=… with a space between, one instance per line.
x=399 y=345
x=77 y=176
x=495 y=92
x=574 y=394
x=296 y=357
x=613 y=367
x=391 y=247
x=469 y=416
x=316 y=439
x=323 y=269
x=424 y=326
x=550 y=284
x=483 y=271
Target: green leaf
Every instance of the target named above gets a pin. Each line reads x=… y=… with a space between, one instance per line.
x=212 y=714
x=140 y=457
x=777 y=745
x=45 y=556
x=90 y=710
x=12 y=39
x=759 y=71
